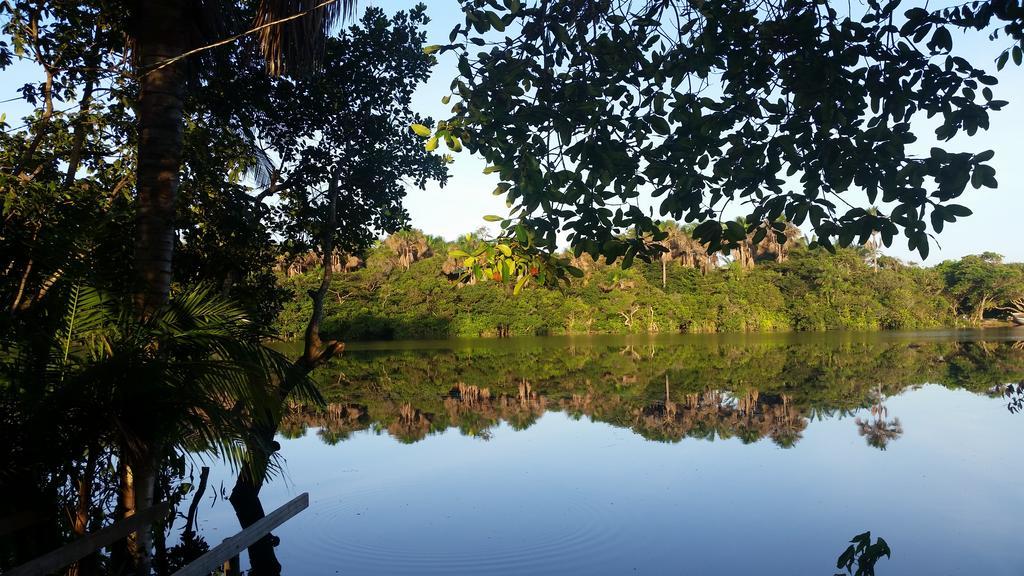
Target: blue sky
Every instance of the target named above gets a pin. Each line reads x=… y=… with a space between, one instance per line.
x=460 y=205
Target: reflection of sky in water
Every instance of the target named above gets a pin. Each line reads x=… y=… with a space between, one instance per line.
x=577 y=497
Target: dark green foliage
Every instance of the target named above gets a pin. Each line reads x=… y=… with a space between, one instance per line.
x=812 y=289
x=95 y=388
x=160 y=382
x=795 y=109
x=999 y=17
x=979 y=283
x=349 y=124
x=864 y=554
x=66 y=170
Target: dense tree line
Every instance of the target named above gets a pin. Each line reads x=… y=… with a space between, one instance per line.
x=411 y=286
x=704 y=388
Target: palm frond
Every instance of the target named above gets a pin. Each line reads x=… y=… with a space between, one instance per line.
x=260 y=167
x=297 y=45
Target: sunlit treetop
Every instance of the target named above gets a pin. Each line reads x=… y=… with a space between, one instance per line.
x=788 y=110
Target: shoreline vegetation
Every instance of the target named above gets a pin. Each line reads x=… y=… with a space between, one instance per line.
x=667 y=392
x=409 y=287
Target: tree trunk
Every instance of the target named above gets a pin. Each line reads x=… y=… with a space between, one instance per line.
x=245 y=499
x=138 y=482
x=160 y=34
x=193 y=509
x=980 y=312
x=92 y=62
x=120 y=555
x=664 y=273
x=245 y=496
x=83 y=507
x=16 y=303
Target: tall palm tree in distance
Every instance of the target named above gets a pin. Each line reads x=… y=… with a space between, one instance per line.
x=873 y=247
x=409 y=246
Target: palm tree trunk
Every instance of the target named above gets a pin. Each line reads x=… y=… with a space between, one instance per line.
x=160 y=35
x=138 y=484
x=664 y=273
x=87 y=566
x=145 y=491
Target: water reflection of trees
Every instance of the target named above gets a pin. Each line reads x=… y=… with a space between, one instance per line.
x=879 y=430
x=717 y=414
x=336 y=421
x=663 y=393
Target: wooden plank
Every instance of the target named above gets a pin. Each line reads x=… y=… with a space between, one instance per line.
x=85 y=545
x=231 y=547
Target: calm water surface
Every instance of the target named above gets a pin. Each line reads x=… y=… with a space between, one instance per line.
x=675 y=455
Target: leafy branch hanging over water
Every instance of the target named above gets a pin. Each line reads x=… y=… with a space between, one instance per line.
x=790 y=109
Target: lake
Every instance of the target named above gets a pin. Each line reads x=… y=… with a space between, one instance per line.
x=681 y=454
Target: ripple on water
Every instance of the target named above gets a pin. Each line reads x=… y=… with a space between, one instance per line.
x=365 y=532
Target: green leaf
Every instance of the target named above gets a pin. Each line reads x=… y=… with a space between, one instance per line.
x=735 y=230
x=883 y=548
x=660 y=125
x=941 y=40
x=504 y=249
x=958 y=210
x=519 y=284
x=431 y=144
x=922 y=246
x=431 y=48
x=627 y=260
x=937 y=218
x=496 y=21
x=493 y=218
x=915 y=14
x=846 y=557
x=420 y=130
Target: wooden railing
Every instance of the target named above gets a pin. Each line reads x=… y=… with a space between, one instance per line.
x=75 y=551
x=226 y=554
x=223 y=556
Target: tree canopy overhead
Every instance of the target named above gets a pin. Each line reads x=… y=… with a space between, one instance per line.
x=792 y=109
